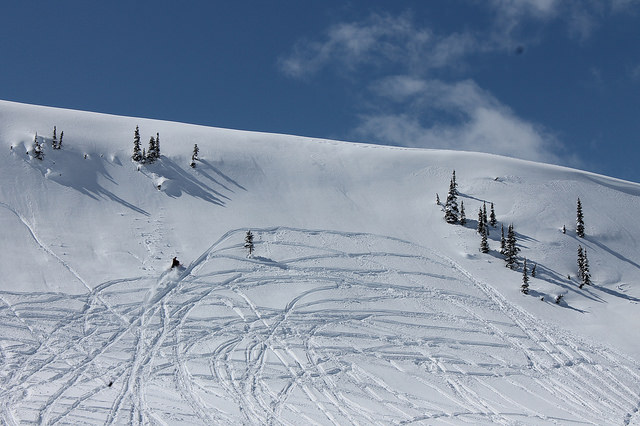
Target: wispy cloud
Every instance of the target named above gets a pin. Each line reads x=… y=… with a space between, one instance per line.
x=582 y=17
x=480 y=122
x=379 y=40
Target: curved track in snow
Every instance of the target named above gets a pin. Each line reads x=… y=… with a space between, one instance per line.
x=318 y=327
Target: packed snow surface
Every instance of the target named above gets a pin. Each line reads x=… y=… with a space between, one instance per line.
x=359 y=305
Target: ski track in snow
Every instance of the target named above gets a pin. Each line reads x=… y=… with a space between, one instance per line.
x=327 y=328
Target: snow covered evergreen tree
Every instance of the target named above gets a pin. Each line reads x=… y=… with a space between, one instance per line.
x=54 y=139
x=38 y=151
x=525 y=278
x=451 y=205
x=533 y=270
x=157 y=153
x=194 y=156
x=503 y=242
x=484 y=217
x=484 y=244
x=437 y=199
x=579 y=220
x=480 y=227
x=492 y=217
x=137 y=152
x=511 y=250
x=60 y=141
x=151 y=152
x=583 y=267
x=586 y=274
x=248 y=242
x=463 y=217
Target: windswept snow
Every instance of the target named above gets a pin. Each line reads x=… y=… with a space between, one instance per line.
x=360 y=305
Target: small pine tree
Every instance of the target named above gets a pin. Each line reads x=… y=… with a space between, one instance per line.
x=437 y=199
x=564 y=229
x=194 y=156
x=533 y=270
x=484 y=217
x=54 y=140
x=484 y=245
x=579 y=220
x=248 y=242
x=151 y=152
x=580 y=265
x=559 y=298
x=60 y=141
x=511 y=249
x=137 y=156
x=157 y=153
x=451 y=205
x=492 y=217
x=525 y=278
x=480 y=227
x=586 y=274
x=38 y=151
x=503 y=242
x=463 y=215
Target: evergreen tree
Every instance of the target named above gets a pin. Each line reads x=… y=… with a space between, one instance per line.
x=248 y=242
x=525 y=278
x=194 y=156
x=564 y=229
x=492 y=217
x=437 y=199
x=463 y=218
x=54 y=140
x=157 y=153
x=484 y=217
x=484 y=245
x=580 y=264
x=511 y=249
x=583 y=267
x=480 y=227
x=451 y=205
x=60 y=141
x=579 y=220
x=38 y=151
x=586 y=274
x=137 y=153
x=151 y=152
x=533 y=271
x=503 y=242
x=143 y=158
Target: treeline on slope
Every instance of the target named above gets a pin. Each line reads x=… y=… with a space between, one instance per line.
x=150 y=155
x=39 y=144
x=509 y=246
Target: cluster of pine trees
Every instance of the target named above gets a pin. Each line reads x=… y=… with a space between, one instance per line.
x=508 y=246
x=145 y=155
x=38 y=147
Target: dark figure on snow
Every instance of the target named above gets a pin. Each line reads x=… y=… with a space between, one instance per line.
x=175 y=263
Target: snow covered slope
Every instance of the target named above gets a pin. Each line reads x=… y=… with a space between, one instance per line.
x=360 y=304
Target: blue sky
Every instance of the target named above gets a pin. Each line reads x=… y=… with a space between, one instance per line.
x=549 y=80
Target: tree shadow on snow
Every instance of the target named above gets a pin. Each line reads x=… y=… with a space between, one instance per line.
x=197 y=182
x=80 y=172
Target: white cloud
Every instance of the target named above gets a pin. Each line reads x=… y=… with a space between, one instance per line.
x=481 y=123
x=379 y=40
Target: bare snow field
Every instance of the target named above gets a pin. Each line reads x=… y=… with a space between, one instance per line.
x=359 y=305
